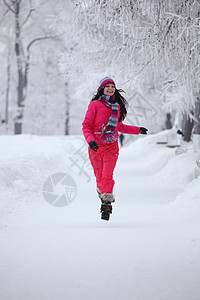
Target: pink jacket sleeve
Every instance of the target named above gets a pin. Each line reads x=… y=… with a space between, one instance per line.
x=128 y=128
x=88 y=123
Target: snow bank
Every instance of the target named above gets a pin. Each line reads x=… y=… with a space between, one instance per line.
x=28 y=157
x=25 y=163
x=170 y=172
x=167 y=168
x=27 y=160
x=187 y=204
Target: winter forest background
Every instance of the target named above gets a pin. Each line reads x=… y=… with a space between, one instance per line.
x=54 y=53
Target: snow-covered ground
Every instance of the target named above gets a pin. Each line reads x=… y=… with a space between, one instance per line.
x=150 y=248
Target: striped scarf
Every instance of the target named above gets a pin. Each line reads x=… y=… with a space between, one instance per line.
x=108 y=131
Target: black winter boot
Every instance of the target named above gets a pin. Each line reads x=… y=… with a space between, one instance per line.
x=106 y=206
x=106 y=210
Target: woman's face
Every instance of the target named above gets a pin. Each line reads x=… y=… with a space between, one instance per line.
x=109 y=89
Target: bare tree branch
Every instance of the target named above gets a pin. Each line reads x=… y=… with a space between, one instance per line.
x=8 y=6
x=5 y=13
x=27 y=17
x=39 y=39
x=16 y=1
x=28 y=56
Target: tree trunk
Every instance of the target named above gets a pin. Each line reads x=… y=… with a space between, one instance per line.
x=67 y=117
x=197 y=117
x=8 y=87
x=188 y=124
x=18 y=128
x=168 y=122
x=20 y=86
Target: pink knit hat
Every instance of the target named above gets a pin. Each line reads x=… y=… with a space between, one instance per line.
x=105 y=81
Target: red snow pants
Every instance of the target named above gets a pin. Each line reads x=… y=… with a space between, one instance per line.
x=103 y=162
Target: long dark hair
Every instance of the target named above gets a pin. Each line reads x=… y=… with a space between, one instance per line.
x=119 y=98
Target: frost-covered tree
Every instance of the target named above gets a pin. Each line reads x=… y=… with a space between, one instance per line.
x=153 y=45
x=30 y=76
x=180 y=54
x=21 y=12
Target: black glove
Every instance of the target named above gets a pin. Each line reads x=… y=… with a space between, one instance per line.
x=93 y=146
x=143 y=130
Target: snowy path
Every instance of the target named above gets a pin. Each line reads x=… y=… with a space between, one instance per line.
x=144 y=252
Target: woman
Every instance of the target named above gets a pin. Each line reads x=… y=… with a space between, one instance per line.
x=103 y=120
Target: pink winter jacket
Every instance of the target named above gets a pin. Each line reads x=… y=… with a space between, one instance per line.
x=98 y=115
